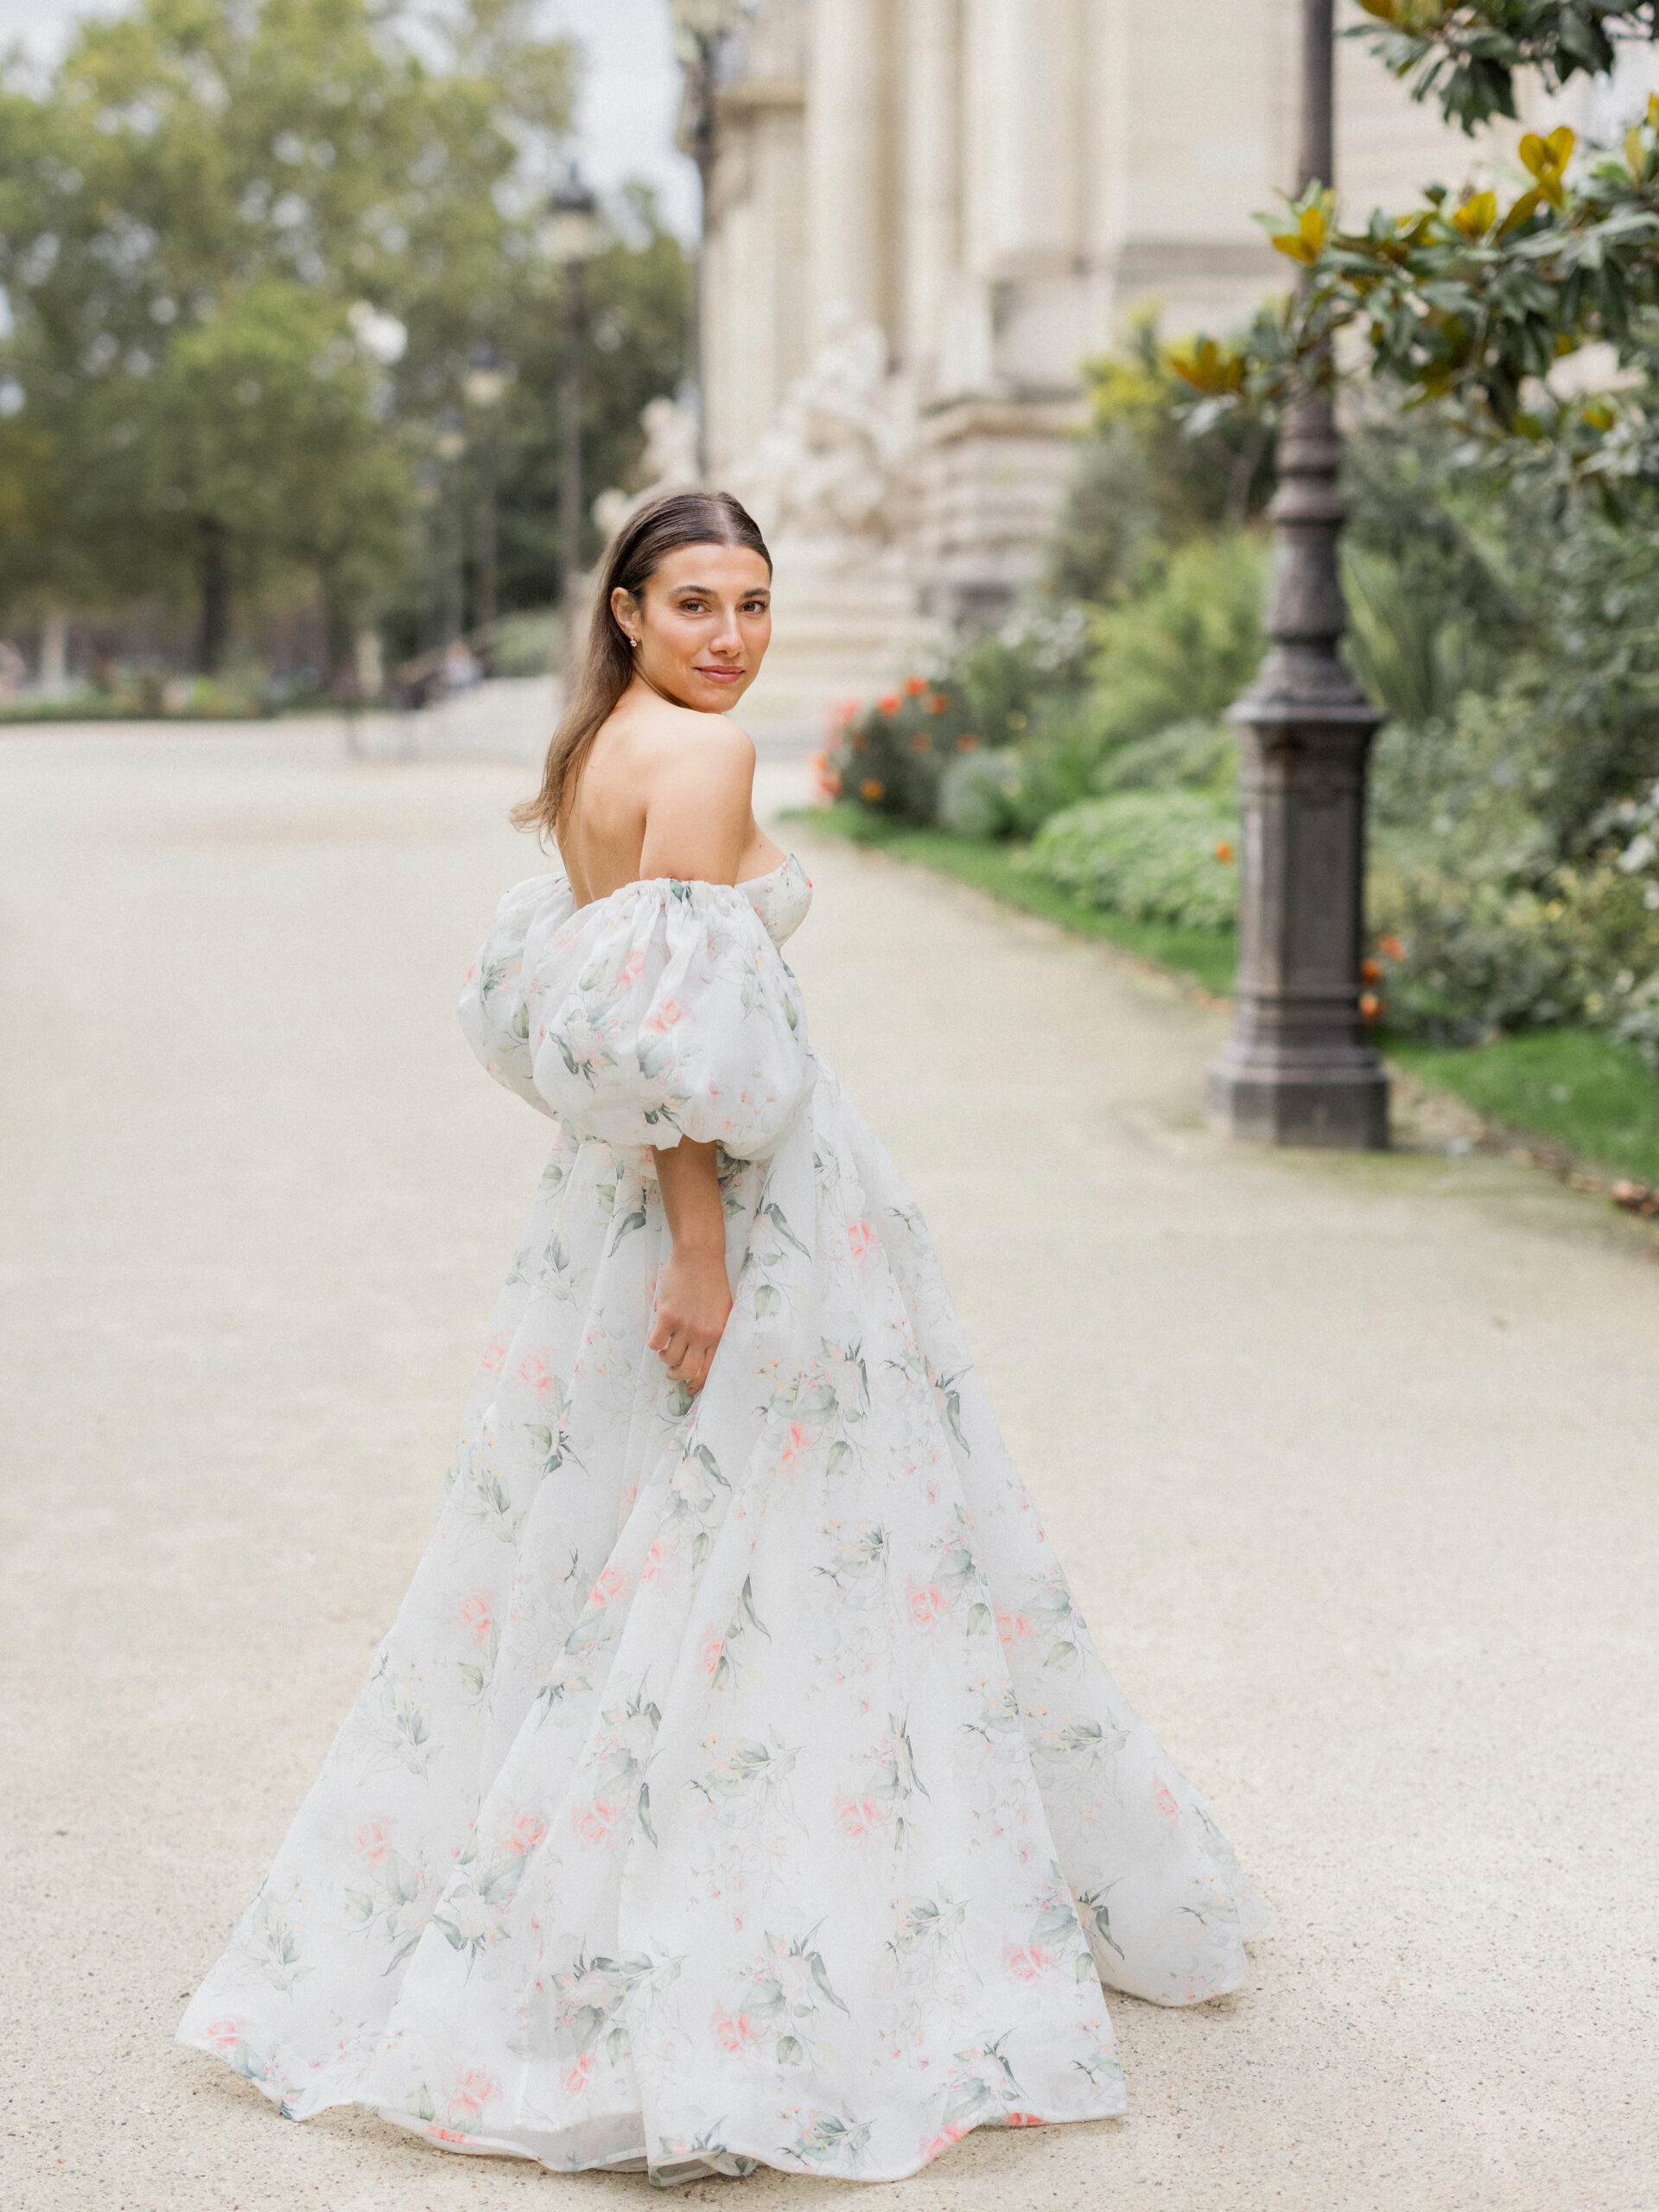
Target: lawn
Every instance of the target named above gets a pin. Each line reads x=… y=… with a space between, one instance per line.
x=1596 y=1100
x=1570 y=1088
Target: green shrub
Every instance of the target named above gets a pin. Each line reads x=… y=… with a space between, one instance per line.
x=1200 y=752
x=1150 y=856
x=1188 y=647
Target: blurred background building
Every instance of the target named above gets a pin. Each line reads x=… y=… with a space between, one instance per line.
x=925 y=215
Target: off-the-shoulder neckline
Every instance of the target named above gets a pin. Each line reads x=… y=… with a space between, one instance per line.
x=696 y=883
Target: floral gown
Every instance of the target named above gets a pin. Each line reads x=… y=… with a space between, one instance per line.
x=738 y=1783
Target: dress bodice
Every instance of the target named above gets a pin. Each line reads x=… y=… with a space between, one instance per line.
x=781 y=899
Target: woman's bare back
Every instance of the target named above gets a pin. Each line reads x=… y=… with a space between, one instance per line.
x=665 y=790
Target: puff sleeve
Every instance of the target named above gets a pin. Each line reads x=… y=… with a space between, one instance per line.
x=494 y=1009
x=663 y=1012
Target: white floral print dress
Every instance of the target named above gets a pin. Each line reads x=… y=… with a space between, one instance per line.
x=738 y=1783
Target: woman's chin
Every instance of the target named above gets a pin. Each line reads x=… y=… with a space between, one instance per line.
x=713 y=696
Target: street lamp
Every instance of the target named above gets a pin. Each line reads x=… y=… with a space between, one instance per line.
x=701 y=28
x=570 y=234
x=484 y=386
x=1298 y=1068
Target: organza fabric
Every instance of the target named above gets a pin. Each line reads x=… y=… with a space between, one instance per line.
x=739 y=1782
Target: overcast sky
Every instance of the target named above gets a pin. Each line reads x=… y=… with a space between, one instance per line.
x=629 y=90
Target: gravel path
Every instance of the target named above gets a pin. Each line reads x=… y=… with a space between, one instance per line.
x=1352 y=1462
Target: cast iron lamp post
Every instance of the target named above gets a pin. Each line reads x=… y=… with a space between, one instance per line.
x=701 y=28
x=1298 y=1068
x=569 y=236
x=484 y=386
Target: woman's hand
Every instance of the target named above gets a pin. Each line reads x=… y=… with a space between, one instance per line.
x=693 y=1295
x=693 y=1301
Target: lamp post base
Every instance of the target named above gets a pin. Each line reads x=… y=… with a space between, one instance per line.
x=1337 y=1096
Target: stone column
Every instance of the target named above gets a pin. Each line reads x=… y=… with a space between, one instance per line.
x=932 y=173
x=851 y=169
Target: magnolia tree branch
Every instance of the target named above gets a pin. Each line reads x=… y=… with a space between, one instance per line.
x=1475 y=303
x=1465 y=54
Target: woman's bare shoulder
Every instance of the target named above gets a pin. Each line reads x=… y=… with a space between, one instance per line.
x=673 y=745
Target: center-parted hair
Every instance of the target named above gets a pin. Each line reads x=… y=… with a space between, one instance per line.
x=632 y=558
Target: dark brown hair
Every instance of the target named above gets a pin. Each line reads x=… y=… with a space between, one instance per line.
x=635 y=554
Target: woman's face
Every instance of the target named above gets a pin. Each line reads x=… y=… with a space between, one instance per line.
x=703 y=625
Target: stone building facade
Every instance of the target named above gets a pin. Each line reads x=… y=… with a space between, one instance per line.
x=926 y=215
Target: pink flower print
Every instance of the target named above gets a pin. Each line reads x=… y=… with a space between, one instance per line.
x=667 y=1015
x=537 y=1377
x=597 y=1824
x=711 y=1650
x=1013 y=1628
x=859 y=1817
x=444 y=2135
x=225 y=2036
x=928 y=1605
x=798 y=1440
x=655 y=1560
x=493 y=1355
x=1026 y=1961
x=860 y=1238
x=373 y=1840
x=476 y=1613
x=1163 y=1800
x=611 y=1586
x=633 y=968
x=735 y=2032
x=574 y=2079
x=1023 y=2119
x=474 y=2089
x=526 y=1832
x=471 y=975
x=944 y=2140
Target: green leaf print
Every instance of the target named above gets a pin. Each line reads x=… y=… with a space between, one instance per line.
x=774 y=1213
x=790 y=2051
x=767 y=1301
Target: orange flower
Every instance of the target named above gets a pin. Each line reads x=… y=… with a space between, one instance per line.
x=1224 y=850
x=968 y=743
x=915 y=685
x=872 y=790
x=1391 y=949
x=921 y=742
x=1370 y=1007
x=890 y=704
x=937 y=703
x=1370 y=970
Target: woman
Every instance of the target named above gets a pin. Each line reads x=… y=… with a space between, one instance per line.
x=738 y=1783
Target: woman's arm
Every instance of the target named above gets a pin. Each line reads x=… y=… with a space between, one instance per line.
x=693 y=1295
x=699 y=819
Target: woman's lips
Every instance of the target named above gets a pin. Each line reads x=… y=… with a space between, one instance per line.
x=720 y=675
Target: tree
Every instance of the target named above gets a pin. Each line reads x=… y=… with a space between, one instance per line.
x=197 y=214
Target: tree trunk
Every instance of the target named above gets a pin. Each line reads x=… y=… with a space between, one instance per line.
x=339 y=626
x=214 y=578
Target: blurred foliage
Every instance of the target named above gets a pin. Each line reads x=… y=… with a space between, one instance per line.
x=247 y=252
x=1136 y=493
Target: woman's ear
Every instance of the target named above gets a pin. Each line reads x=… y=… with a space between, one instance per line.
x=625 y=611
